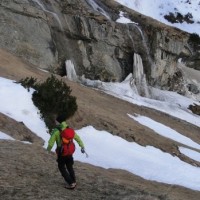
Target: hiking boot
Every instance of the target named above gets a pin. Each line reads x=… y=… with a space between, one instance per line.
x=71 y=186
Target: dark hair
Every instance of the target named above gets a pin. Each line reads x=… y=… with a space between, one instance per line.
x=61 y=118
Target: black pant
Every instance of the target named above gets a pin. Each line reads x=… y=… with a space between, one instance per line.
x=65 y=165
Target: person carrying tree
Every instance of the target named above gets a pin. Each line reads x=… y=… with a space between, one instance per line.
x=63 y=135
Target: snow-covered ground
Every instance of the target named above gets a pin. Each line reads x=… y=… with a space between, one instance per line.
x=106 y=150
x=159 y=8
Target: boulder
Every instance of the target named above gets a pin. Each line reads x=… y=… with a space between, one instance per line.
x=195 y=109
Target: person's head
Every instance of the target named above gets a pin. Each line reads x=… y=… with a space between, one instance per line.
x=60 y=118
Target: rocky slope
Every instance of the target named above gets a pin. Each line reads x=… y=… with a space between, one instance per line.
x=38 y=34
x=28 y=172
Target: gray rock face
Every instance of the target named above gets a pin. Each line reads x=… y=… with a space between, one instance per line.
x=193 y=88
x=167 y=47
x=193 y=61
x=47 y=34
x=24 y=31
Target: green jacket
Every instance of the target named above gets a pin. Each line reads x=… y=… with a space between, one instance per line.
x=55 y=137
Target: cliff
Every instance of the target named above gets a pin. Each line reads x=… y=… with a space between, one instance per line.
x=47 y=34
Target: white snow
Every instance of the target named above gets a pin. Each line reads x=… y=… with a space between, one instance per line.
x=190 y=153
x=159 y=8
x=123 y=19
x=165 y=131
x=16 y=103
x=108 y=151
x=4 y=136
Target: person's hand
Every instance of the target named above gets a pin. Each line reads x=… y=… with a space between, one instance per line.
x=82 y=150
x=51 y=153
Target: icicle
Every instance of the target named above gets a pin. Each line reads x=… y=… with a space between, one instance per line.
x=139 y=78
x=71 y=73
x=138 y=81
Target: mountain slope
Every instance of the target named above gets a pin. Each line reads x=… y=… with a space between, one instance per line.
x=39 y=176
x=34 y=175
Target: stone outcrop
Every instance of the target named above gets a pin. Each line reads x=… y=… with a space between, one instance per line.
x=162 y=47
x=193 y=61
x=24 y=31
x=195 y=109
x=18 y=130
x=47 y=34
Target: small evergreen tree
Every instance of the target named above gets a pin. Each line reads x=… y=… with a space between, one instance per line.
x=194 y=37
x=194 y=41
x=52 y=98
x=28 y=82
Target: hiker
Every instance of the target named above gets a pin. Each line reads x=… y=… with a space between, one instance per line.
x=63 y=136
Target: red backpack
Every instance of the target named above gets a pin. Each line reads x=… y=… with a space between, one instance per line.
x=68 y=146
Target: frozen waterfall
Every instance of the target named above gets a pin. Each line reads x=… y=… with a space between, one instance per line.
x=139 y=78
x=47 y=11
x=96 y=7
x=71 y=73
